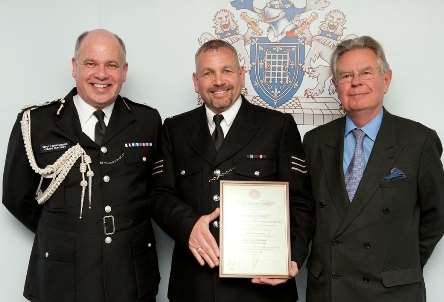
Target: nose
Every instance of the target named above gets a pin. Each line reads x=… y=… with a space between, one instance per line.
x=101 y=72
x=356 y=80
x=218 y=79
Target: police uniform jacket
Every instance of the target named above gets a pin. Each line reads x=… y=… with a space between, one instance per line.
x=261 y=144
x=374 y=248
x=109 y=255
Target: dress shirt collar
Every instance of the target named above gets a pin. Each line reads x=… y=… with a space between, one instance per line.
x=86 y=111
x=228 y=114
x=370 y=129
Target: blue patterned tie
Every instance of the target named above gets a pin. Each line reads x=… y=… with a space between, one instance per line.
x=357 y=165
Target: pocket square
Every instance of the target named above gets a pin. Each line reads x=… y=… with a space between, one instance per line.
x=395 y=174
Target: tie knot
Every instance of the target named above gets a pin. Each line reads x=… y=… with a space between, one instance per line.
x=359 y=135
x=218 y=118
x=100 y=115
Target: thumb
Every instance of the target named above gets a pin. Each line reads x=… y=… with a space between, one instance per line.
x=213 y=215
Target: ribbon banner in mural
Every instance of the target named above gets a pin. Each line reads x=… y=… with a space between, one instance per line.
x=286 y=52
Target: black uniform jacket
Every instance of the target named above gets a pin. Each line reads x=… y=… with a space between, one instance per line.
x=374 y=248
x=261 y=145
x=110 y=254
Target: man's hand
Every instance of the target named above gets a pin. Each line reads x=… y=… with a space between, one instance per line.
x=293 y=268
x=202 y=243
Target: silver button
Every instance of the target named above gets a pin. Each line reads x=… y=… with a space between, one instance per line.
x=46 y=254
x=106 y=178
x=216 y=172
x=108 y=240
x=182 y=172
x=108 y=209
x=103 y=149
x=257 y=173
x=216 y=197
x=149 y=244
x=216 y=224
x=144 y=158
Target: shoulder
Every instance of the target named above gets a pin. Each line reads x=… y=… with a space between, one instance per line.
x=326 y=130
x=186 y=117
x=410 y=131
x=137 y=106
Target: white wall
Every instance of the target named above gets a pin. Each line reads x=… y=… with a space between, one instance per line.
x=37 y=41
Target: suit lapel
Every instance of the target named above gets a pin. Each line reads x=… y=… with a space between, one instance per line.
x=121 y=118
x=384 y=153
x=241 y=132
x=332 y=154
x=201 y=140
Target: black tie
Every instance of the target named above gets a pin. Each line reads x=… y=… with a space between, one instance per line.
x=100 y=129
x=218 y=134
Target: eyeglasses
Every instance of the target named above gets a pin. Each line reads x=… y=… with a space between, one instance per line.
x=365 y=75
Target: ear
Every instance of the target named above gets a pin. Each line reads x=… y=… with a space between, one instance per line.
x=74 y=67
x=125 y=71
x=387 y=80
x=195 y=80
x=242 y=76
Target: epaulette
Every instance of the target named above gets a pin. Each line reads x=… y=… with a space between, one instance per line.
x=47 y=103
x=128 y=103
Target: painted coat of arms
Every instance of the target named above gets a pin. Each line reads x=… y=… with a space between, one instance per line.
x=288 y=65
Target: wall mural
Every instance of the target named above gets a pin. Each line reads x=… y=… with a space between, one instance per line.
x=286 y=52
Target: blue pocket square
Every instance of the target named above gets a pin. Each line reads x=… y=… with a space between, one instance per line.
x=395 y=174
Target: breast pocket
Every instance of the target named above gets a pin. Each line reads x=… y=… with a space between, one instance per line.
x=260 y=169
x=188 y=176
x=138 y=155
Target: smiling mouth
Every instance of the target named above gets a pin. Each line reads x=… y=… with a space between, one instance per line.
x=101 y=85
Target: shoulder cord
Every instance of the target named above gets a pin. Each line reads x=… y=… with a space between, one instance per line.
x=60 y=168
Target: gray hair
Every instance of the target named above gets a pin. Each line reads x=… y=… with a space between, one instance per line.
x=214 y=45
x=359 y=43
x=83 y=36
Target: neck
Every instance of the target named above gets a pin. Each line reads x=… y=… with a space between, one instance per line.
x=361 y=118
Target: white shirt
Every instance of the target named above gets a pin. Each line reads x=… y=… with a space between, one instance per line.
x=87 y=119
x=228 y=114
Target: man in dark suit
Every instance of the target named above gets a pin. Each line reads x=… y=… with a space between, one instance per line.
x=226 y=138
x=89 y=157
x=378 y=190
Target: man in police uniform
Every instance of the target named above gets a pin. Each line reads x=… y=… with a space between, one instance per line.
x=94 y=240
x=227 y=138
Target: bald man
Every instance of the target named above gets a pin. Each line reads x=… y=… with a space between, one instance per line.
x=79 y=178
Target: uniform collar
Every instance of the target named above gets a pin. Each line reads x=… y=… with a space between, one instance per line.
x=228 y=114
x=86 y=111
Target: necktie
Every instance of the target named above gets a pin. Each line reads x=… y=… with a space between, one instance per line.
x=100 y=129
x=357 y=165
x=218 y=134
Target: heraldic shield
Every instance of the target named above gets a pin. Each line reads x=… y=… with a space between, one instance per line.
x=276 y=69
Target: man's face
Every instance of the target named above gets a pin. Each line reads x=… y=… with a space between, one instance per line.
x=218 y=78
x=360 y=83
x=99 y=69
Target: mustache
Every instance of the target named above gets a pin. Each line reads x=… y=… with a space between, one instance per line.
x=215 y=88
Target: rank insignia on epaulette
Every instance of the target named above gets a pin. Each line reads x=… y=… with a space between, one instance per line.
x=138 y=144
x=157 y=167
x=256 y=156
x=298 y=164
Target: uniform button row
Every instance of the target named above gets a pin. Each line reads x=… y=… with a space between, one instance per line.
x=216 y=224
x=108 y=240
x=108 y=209
x=216 y=197
x=106 y=178
x=103 y=149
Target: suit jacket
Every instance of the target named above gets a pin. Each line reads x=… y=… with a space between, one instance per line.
x=374 y=248
x=186 y=188
x=73 y=259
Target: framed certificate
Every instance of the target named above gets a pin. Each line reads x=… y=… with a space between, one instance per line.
x=254 y=229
